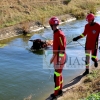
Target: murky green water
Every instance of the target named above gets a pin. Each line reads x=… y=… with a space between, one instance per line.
x=22 y=74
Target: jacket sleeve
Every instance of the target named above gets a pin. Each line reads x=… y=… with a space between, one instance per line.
x=84 y=33
x=99 y=28
x=62 y=42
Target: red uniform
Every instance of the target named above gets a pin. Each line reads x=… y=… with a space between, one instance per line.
x=92 y=33
x=59 y=46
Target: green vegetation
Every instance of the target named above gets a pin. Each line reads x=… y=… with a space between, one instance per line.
x=17 y=11
x=94 y=96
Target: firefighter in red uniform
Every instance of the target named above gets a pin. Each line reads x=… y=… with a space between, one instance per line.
x=59 y=56
x=91 y=31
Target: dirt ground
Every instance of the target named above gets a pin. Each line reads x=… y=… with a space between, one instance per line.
x=27 y=27
x=81 y=87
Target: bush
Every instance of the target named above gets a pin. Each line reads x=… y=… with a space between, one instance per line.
x=79 y=14
x=95 y=96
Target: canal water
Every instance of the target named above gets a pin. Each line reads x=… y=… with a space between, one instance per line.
x=26 y=75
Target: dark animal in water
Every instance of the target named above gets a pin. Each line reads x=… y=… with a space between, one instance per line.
x=38 y=44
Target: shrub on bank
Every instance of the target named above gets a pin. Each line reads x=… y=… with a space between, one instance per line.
x=94 y=96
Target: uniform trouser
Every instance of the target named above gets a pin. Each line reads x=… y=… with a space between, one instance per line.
x=93 y=54
x=58 y=78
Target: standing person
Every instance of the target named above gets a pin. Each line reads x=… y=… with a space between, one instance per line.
x=91 y=31
x=59 y=56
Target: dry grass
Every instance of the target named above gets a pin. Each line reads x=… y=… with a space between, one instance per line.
x=90 y=84
x=16 y=11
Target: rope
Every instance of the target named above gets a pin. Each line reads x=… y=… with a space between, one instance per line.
x=80 y=44
x=69 y=42
x=48 y=67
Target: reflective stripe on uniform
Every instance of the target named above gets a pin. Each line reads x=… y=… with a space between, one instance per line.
x=87 y=65
x=61 y=82
x=94 y=56
x=87 y=54
x=61 y=55
x=57 y=88
x=57 y=74
x=82 y=35
x=61 y=41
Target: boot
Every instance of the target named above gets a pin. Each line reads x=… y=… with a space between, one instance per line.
x=86 y=72
x=53 y=97
x=60 y=93
x=95 y=63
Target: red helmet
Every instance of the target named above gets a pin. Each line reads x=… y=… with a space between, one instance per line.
x=90 y=17
x=54 y=21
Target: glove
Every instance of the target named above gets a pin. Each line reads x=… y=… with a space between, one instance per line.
x=76 y=38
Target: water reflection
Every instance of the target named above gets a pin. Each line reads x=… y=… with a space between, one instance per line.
x=22 y=69
x=38 y=52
